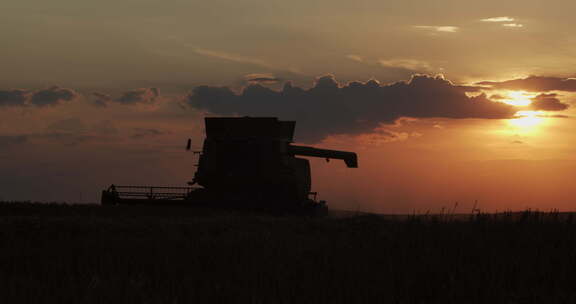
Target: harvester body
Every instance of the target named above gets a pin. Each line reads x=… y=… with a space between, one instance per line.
x=251 y=163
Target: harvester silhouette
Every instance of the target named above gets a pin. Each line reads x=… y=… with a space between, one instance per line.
x=245 y=163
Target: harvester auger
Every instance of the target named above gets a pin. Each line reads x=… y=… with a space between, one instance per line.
x=245 y=163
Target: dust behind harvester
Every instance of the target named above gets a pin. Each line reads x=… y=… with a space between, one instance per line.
x=246 y=163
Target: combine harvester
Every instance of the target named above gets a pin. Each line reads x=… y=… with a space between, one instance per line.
x=245 y=163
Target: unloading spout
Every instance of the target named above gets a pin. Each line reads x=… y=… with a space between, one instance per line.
x=350 y=158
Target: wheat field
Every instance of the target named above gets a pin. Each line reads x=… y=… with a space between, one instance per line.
x=57 y=253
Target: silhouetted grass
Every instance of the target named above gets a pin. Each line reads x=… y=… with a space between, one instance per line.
x=92 y=254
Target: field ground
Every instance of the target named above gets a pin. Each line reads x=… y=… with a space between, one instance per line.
x=92 y=254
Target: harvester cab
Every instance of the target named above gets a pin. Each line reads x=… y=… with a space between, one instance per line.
x=246 y=162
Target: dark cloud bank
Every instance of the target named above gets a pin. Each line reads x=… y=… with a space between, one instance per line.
x=330 y=108
x=357 y=107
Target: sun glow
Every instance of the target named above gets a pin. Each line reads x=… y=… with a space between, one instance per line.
x=526 y=120
x=518 y=98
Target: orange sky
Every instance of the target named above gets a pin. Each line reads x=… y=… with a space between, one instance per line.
x=94 y=94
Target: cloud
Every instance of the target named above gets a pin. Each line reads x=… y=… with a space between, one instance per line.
x=132 y=97
x=139 y=96
x=9 y=140
x=384 y=136
x=52 y=96
x=497 y=97
x=76 y=125
x=45 y=97
x=408 y=64
x=534 y=84
x=247 y=59
x=548 y=102
x=104 y=128
x=442 y=28
x=13 y=97
x=64 y=138
x=330 y=108
x=355 y=58
x=74 y=131
x=61 y=138
x=147 y=132
x=67 y=125
x=265 y=78
x=513 y=25
x=504 y=21
x=498 y=19
x=557 y=116
x=68 y=132
x=232 y=57
x=101 y=99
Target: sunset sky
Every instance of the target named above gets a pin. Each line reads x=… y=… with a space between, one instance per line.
x=444 y=101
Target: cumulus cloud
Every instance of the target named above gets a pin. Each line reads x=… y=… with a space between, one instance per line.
x=52 y=96
x=13 y=97
x=331 y=108
x=441 y=28
x=534 y=84
x=41 y=98
x=548 y=102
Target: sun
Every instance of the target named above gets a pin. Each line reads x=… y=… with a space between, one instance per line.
x=526 y=120
x=518 y=98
